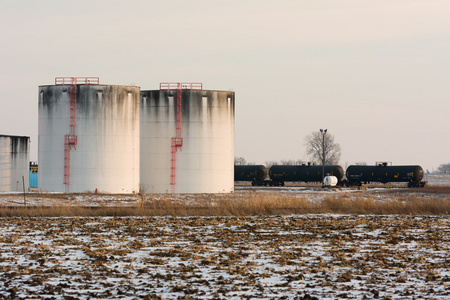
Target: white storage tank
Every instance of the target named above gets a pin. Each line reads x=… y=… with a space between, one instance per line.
x=88 y=137
x=14 y=163
x=187 y=139
x=330 y=181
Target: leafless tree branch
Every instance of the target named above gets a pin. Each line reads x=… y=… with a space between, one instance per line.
x=323 y=149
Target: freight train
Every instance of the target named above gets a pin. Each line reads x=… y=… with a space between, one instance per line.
x=279 y=174
x=383 y=173
x=355 y=175
x=254 y=173
x=305 y=173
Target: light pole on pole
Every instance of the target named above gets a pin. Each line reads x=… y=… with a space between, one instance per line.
x=323 y=132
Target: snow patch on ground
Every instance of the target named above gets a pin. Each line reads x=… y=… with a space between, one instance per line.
x=323 y=256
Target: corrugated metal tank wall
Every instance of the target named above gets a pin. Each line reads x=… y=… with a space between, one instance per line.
x=205 y=163
x=14 y=163
x=106 y=157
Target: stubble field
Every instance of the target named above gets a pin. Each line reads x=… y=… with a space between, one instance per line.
x=201 y=248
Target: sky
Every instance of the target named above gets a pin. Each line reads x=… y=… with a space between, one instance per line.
x=376 y=74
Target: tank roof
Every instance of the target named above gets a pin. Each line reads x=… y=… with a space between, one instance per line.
x=21 y=136
x=134 y=86
x=199 y=91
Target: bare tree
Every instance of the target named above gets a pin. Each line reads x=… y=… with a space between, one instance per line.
x=270 y=163
x=300 y=162
x=292 y=162
x=142 y=191
x=444 y=168
x=240 y=161
x=322 y=148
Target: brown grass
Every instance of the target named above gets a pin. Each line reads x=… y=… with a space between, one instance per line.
x=428 y=189
x=250 y=205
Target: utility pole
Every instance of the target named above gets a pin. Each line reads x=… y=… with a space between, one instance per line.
x=323 y=132
x=23 y=184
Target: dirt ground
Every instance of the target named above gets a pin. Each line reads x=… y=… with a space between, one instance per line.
x=295 y=257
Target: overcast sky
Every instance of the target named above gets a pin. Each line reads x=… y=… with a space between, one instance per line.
x=376 y=74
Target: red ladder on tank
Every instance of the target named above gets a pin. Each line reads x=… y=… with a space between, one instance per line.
x=71 y=138
x=177 y=141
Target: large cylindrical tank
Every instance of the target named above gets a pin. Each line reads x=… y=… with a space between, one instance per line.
x=14 y=160
x=305 y=173
x=105 y=157
x=205 y=161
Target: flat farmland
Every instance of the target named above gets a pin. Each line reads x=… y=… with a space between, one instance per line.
x=264 y=257
x=278 y=243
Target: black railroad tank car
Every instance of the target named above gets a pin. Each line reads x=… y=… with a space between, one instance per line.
x=305 y=173
x=384 y=173
x=254 y=173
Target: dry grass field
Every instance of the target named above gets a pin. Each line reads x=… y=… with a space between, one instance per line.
x=246 y=201
x=294 y=242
